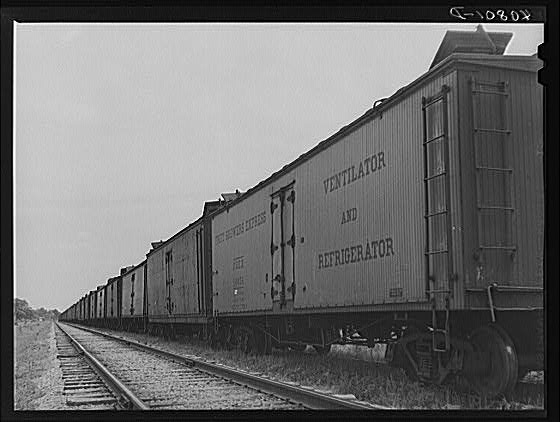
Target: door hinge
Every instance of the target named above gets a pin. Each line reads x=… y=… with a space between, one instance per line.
x=292 y=241
x=292 y=196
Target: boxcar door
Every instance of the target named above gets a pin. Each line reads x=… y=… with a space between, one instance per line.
x=132 y=293
x=119 y=298
x=169 y=305
x=282 y=246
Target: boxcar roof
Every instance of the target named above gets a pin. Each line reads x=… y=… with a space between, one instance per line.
x=134 y=268
x=520 y=63
x=111 y=280
x=478 y=41
x=208 y=205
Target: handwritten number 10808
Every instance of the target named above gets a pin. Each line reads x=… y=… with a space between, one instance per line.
x=491 y=15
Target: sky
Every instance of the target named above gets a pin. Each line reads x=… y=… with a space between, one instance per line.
x=122 y=131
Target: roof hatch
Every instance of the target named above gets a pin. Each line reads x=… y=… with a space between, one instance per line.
x=476 y=42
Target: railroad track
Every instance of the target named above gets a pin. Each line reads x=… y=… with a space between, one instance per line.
x=85 y=387
x=157 y=379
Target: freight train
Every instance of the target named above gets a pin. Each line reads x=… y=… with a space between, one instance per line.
x=419 y=225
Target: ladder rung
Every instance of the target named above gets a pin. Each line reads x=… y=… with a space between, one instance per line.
x=490 y=207
x=505 y=170
x=433 y=176
x=507 y=248
x=436 y=252
x=434 y=139
x=436 y=213
x=481 y=129
x=439 y=330
x=487 y=91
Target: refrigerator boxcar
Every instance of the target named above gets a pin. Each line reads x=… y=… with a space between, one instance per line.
x=92 y=306
x=178 y=280
x=82 y=309
x=100 y=299
x=421 y=221
x=133 y=316
x=71 y=313
x=113 y=302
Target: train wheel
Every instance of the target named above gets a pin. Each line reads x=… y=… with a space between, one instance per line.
x=493 y=366
x=512 y=354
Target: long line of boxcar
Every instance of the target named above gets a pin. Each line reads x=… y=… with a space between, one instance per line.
x=420 y=224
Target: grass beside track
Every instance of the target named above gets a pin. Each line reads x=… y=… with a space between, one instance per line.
x=35 y=366
x=370 y=381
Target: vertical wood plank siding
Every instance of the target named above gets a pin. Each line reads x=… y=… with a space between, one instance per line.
x=100 y=297
x=137 y=303
x=389 y=206
x=185 y=272
x=525 y=156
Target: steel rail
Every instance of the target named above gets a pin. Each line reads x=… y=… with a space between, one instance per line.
x=307 y=397
x=114 y=383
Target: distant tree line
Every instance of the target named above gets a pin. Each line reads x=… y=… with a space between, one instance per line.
x=22 y=311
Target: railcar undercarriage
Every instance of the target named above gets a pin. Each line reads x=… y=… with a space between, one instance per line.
x=491 y=356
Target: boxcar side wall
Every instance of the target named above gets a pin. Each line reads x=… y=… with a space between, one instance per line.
x=522 y=189
x=357 y=220
x=102 y=297
x=174 y=272
x=133 y=293
x=206 y=238
x=127 y=300
x=156 y=285
x=111 y=291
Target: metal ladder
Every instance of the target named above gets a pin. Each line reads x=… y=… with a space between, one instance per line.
x=491 y=177
x=436 y=136
x=435 y=330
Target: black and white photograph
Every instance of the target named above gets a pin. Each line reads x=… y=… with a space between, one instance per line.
x=297 y=216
